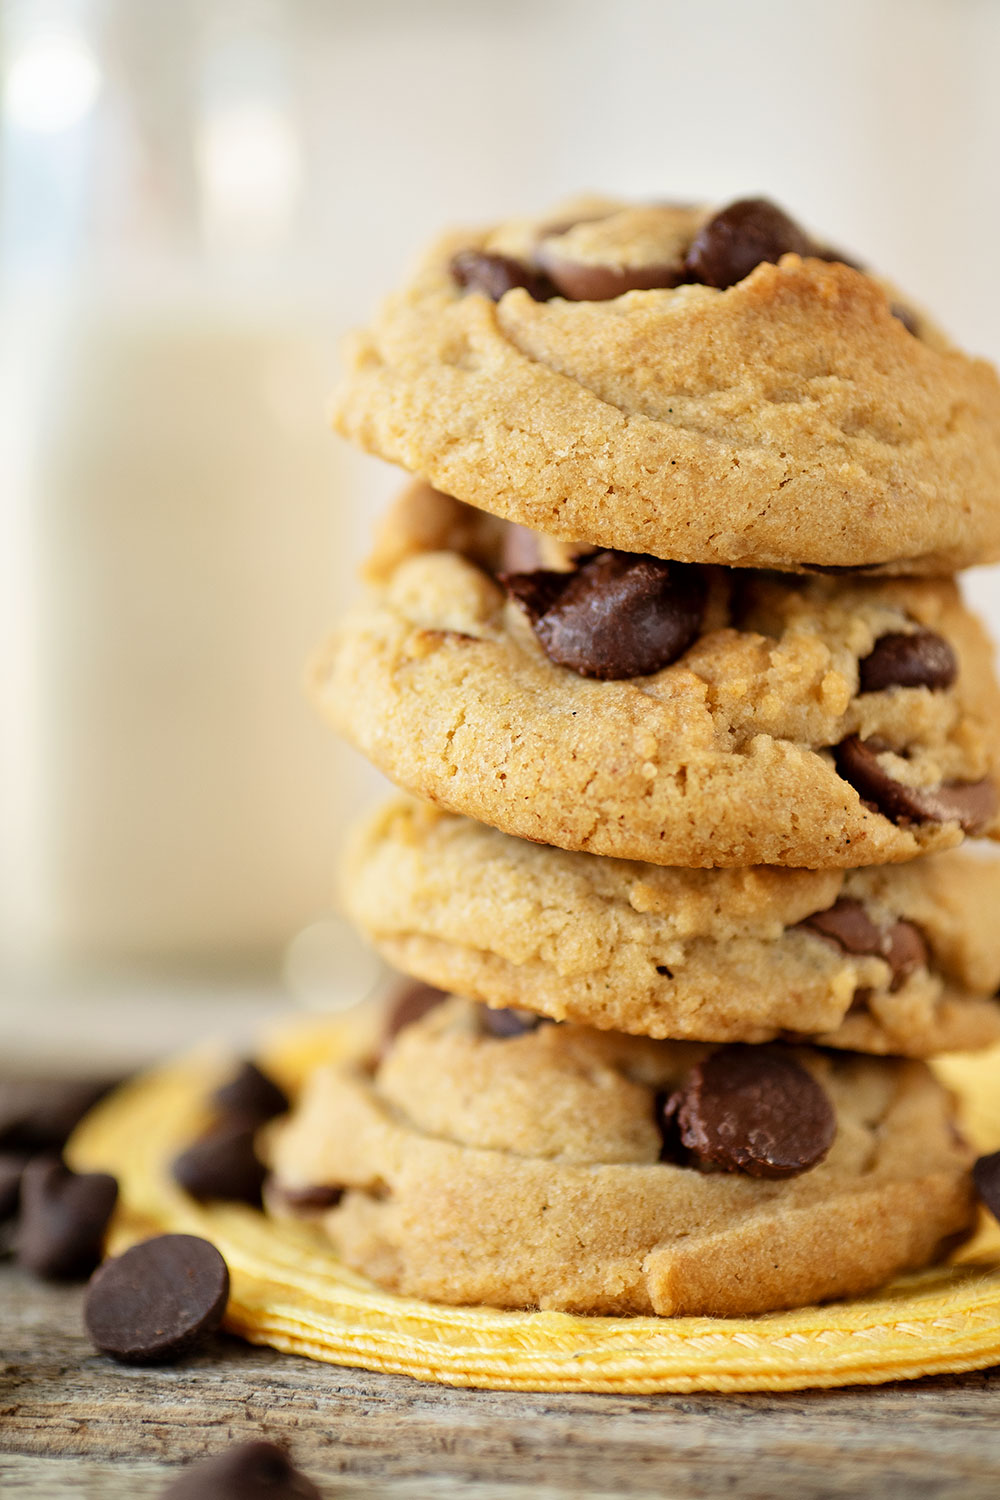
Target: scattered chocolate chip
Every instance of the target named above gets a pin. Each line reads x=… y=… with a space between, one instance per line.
x=63 y=1218
x=921 y=658
x=307 y=1200
x=986 y=1176
x=222 y=1165
x=582 y=282
x=157 y=1301
x=752 y=1110
x=972 y=804
x=410 y=1005
x=740 y=237
x=253 y=1471
x=848 y=926
x=619 y=615
x=506 y=1021
x=39 y=1114
x=12 y=1165
x=906 y=317
x=493 y=275
x=251 y=1094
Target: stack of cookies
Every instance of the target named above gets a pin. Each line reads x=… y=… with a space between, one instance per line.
x=664 y=649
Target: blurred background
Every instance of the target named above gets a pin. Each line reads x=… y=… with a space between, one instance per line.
x=197 y=197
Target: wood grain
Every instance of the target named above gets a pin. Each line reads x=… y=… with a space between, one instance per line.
x=72 y=1423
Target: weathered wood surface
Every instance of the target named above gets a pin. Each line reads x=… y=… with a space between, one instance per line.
x=72 y=1423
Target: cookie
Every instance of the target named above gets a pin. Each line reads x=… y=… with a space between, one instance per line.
x=649 y=379
x=900 y=959
x=587 y=1171
x=762 y=742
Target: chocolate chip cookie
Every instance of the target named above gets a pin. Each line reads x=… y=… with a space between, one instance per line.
x=677 y=715
x=699 y=385
x=902 y=959
x=560 y=1167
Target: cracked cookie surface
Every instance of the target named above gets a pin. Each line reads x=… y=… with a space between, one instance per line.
x=709 y=955
x=731 y=755
x=791 y=420
x=527 y=1172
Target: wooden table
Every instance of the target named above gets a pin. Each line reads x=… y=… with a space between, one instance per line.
x=72 y=1423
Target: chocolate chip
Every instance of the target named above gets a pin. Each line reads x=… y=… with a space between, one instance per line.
x=972 y=804
x=39 y=1114
x=740 y=237
x=12 y=1165
x=619 y=615
x=848 y=926
x=493 y=275
x=307 y=1200
x=753 y=1110
x=921 y=658
x=253 y=1471
x=411 y=1004
x=63 y=1218
x=222 y=1165
x=251 y=1094
x=986 y=1176
x=506 y=1021
x=581 y=282
x=158 y=1300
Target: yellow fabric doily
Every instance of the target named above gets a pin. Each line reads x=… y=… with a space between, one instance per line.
x=289 y=1291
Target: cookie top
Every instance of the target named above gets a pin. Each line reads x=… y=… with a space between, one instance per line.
x=900 y=959
x=566 y=1168
x=819 y=722
x=649 y=379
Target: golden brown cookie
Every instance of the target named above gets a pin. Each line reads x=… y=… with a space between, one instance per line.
x=902 y=959
x=526 y=1170
x=787 y=419
x=771 y=739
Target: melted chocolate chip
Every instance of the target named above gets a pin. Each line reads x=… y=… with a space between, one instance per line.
x=493 y=275
x=251 y=1094
x=506 y=1022
x=848 y=926
x=740 y=237
x=63 y=1218
x=253 y=1471
x=581 y=282
x=158 y=1301
x=921 y=658
x=972 y=804
x=619 y=615
x=986 y=1176
x=753 y=1110
x=222 y=1165
x=409 y=1005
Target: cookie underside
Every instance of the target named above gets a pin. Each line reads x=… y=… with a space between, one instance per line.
x=290 y=1292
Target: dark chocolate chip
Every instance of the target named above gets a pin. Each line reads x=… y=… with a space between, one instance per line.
x=972 y=804
x=753 y=1110
x=39 y=1114
x=506 y=1021
x=619 y=615
x=222 y=1164
x=986 y=1176
x=847 y=925
x=12 y=1165
x=581 y=282
x=409 y=1005
x=253 y=1471
x=251 y=1094
x=158 y=1301
x=63 y=1218
x=740 y=237
x=306 y=1200
x=493 y=275
x=921 y=658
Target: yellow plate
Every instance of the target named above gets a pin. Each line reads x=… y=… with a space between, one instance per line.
x=289 y=1290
